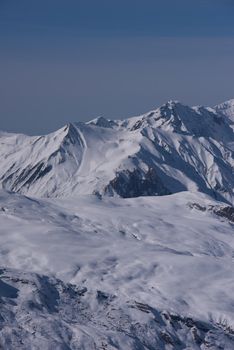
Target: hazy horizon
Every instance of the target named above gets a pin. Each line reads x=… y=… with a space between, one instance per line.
x=73 y=61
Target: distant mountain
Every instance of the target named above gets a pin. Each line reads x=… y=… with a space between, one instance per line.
x=171 y=149
x=226 y=108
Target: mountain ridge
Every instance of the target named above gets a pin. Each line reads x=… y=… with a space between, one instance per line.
x=226 y=108
x=167 y=150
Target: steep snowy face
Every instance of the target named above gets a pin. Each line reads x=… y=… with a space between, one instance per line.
x=227 y=109
x=38 y=165
x=171 y=149
x=196 y=121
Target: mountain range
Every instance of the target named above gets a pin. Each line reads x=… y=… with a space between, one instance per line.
x=171 y=149
x=118 y=234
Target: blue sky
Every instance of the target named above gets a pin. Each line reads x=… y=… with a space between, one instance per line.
x=73 y=60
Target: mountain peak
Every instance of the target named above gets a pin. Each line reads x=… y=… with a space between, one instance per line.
x=226 y=108
x=102 y=122
x=228 y=102
x=170 y=149
x=172 y=103
x=71 y=133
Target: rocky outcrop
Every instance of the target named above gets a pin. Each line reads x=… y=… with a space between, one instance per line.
x=135 y=184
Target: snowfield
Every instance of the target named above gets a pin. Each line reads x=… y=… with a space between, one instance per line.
x=120 y=234
x=113 y=273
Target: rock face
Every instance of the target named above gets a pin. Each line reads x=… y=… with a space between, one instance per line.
x=135 y=184
x=226 y=212
x=171 y=149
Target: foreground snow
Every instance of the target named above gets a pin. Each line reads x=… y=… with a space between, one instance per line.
x=142 y=273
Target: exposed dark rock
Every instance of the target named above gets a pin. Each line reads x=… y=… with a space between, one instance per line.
x=134 y=183
x=137 y=125
x=197 y=206
x=226 y=212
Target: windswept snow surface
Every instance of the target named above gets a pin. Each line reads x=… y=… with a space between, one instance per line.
x=92 y=258
x=171 y=149
x=114 y=273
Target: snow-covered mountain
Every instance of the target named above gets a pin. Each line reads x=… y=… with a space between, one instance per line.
x=227 y=109
x=171 y=149
x=95 y=268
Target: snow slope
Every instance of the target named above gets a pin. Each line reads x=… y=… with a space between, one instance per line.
x=93 y=258
x=168 y=150
x=114 y=273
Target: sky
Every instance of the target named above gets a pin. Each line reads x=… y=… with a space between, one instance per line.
x=74 y=60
